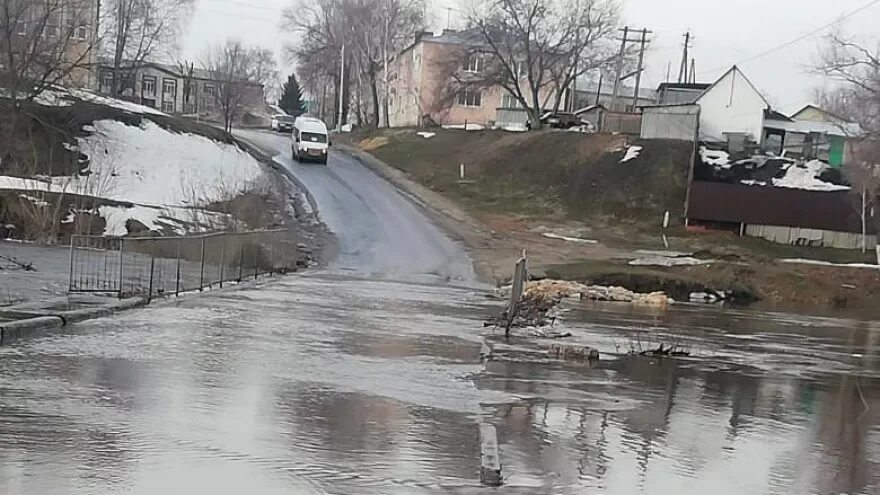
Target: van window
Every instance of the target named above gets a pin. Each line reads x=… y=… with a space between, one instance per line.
x=311 y=137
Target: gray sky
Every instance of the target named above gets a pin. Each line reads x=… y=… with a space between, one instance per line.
x=726 y=31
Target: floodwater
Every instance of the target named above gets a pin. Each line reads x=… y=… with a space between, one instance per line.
x=366 y=378
x=321 y=383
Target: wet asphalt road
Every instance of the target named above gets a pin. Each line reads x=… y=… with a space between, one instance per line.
x=351 y=380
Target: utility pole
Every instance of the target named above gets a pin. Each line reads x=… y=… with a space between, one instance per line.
x=640 y=68
x=341 y=85
x=693 y=77
x=643 y=40
x=683 y=69
x=619 y=70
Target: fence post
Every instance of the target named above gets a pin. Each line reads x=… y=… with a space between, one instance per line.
x=202 y=269
x=70 y=277
x=256 y=246
x=177 y=283
x=222 y=258
x=240 y=259
x=152 y=267
x=121 y=267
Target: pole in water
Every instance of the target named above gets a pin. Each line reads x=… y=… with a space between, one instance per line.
x=461 y=171
x=666 y=220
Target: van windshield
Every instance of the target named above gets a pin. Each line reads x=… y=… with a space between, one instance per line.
x=312 y=137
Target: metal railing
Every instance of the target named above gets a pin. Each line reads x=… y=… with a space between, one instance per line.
x=161 y=266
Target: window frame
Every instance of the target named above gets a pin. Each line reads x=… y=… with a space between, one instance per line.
x=475 y=100
x=149 y=79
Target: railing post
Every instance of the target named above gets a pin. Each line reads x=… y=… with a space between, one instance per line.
x=222 y=258
x=177 y=284
x=70 y=275
x=152 y=267
x=202 y=269
x=121 y=267
x=256 y=248
x=240 y=259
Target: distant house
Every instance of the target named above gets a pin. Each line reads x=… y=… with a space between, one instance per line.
x=677 y=93
x=172 y=89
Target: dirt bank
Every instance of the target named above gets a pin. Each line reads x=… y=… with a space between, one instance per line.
x=583 y=214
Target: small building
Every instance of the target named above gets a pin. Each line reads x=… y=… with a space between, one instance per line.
x=732 y=107
x=677 y=93
x=591 y=114
x=805 y=139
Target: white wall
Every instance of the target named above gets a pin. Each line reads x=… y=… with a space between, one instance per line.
x=731 y=105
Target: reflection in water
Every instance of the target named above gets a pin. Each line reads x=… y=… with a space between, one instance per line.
x=320 y=384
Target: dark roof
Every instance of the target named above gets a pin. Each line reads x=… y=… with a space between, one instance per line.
x=692 y=86
x=756 y=205
x=771 y=114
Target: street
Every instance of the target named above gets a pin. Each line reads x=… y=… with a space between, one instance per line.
x=365 y=377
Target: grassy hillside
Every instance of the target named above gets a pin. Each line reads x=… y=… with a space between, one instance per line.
x=559 y=175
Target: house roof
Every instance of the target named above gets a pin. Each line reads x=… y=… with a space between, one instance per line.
x=807 y=127
x=817 y=107
x=770 y=114
x=589 y=108
x=690 y=86
x=734 y=69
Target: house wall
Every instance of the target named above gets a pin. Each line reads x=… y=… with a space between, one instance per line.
x=420 y=86
x=732 y=105
x=673 y=122
x=676 y=96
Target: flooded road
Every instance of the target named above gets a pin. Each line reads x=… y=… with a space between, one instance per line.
x=346 y=381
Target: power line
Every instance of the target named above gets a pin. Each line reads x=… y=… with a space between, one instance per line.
x=804 y=36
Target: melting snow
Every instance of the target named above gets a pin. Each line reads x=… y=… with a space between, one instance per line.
x=551 y=235
x=715 y=157
x=800 y=261
x=806 y=176
x=632 y=152
x=427 y=135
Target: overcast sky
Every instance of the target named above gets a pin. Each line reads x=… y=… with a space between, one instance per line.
x=726 y=32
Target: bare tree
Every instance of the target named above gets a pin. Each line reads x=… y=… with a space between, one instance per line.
x=856 y=69
x=535 y=49
x=372 y=31
x=42 y=44
x=236 y=69
x=138 y=30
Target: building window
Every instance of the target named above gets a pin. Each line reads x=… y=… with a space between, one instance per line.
x=22 y=28
x=148 y=86
x=168 y=106
x=169 y=87
x=510 y=101
x=470 y=98
x=210 y=97
x=81 y=33
x=209 y=91
x=473 y=63
x=107 y=82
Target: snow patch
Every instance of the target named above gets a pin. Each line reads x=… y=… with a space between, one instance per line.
x=669 y=261
x=65 y=97
x=427 y=135
x=806 y=176
x=466 y=127
x=152 y=166
x=715 y=157
x=801 y=261
x=551 y=235
x=632 y=152
x=753 y=182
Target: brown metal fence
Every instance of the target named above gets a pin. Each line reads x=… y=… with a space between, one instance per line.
x=160 y=266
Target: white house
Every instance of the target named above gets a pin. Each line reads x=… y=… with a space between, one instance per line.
x=732 y=106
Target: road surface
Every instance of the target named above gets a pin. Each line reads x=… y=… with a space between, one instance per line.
x=366 y=378
x=379 y=232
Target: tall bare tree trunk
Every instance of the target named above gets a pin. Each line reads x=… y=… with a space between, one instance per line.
x=374 y=95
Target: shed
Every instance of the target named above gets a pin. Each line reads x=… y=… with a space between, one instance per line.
x=731 y=105
x=677 y=122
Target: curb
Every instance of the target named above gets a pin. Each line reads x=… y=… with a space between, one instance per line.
x=17 y=329
x=29 y=327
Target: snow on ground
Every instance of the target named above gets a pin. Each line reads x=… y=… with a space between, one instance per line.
x=715 y=157
x=467 y=127
x=806 y=176
x=753 y=182
x=551 y=235
x=427 y=135
x=632 y=152
x=669 y=261
x=152 y=166
x=167 y=176
x=65 y=97
x=800 y=261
